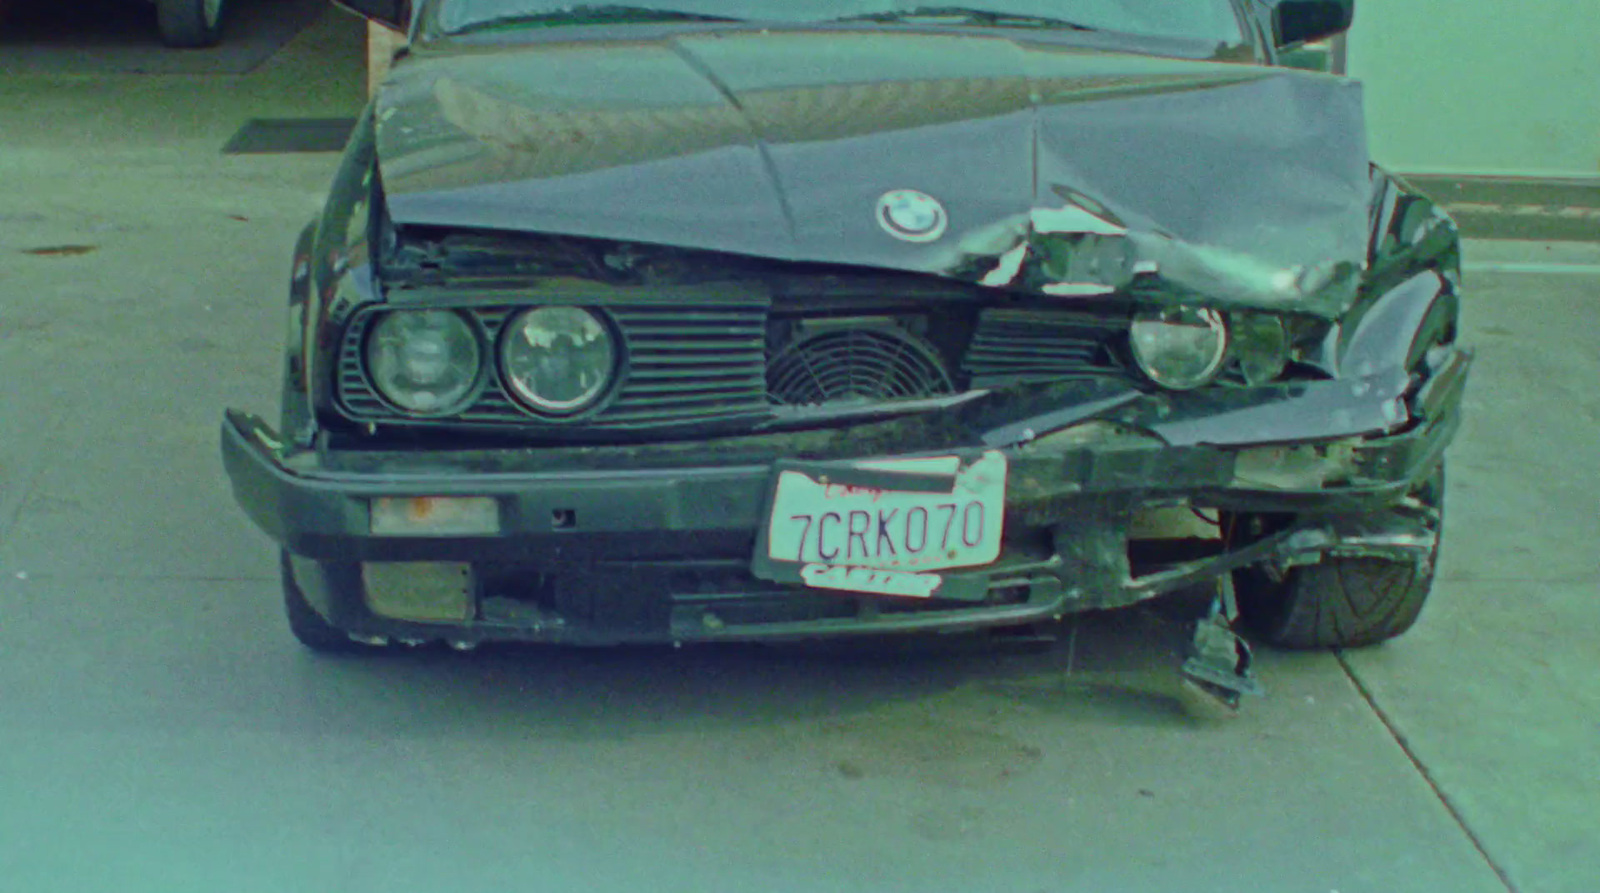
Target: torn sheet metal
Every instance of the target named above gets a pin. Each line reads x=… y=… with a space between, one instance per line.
x=1312 y=410
x=1216 y=183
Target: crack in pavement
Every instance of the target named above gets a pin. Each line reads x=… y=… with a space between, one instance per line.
x=1427 y=776
x=11 y=515
x=1532 y=269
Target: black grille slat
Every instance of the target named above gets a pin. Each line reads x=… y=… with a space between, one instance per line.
x=1045 y=354
x=645 y=421
x=678 y=317
x=704 y=411
x=668 y=322
x=709 y=410
x=1035 y=347
x=679 y=398
x=753 y=359
x=731 y=388
x=678 y=375
x=719 y=348
x=1016 y=346
x=666 y=353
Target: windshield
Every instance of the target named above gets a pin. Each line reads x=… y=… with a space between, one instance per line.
x=1212 y=21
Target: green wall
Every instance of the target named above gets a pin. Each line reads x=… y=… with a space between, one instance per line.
x=1481 y=86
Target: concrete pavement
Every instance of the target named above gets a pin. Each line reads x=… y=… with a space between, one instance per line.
x=160 y=731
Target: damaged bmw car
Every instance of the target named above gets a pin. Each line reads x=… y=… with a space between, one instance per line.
x=764 y=319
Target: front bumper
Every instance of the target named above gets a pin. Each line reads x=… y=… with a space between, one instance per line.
x=664 y=553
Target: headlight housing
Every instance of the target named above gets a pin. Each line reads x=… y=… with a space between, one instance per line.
x=1180 y=348
x=425 y=362
x=558 y=361
x=1259 y=347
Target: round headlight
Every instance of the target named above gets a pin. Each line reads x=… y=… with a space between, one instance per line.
x=1179 y=347
x=424 y=362
x=558 y=360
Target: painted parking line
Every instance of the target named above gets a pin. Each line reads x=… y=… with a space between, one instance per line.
x=1537 y=269
x=1557 y=217
x=1575 y=212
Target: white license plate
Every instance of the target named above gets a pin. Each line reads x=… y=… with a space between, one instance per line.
x=830 y=529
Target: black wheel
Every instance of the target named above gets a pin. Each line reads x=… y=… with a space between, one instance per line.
x=190 y=23
x=311 y=628
x=1348 y=601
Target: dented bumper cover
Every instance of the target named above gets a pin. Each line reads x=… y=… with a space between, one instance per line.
x=658 y=543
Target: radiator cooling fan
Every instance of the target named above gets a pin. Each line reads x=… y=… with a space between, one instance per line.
x=856 y=365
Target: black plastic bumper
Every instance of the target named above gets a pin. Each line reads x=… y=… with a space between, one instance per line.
x=668 y=530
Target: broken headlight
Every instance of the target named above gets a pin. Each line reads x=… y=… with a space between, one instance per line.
x=558 y=360
x=1179 y=347
x=424 y=362
x=1260 y=347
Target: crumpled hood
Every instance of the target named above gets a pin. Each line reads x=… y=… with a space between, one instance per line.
x=1059 y=170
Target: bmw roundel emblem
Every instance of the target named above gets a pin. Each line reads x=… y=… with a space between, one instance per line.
x=912 y=216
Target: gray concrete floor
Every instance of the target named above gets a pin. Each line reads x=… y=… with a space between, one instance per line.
x=159 y=730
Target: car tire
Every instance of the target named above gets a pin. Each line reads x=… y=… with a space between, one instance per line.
x=190 y=24
x=1343 y=601
x=310 y=627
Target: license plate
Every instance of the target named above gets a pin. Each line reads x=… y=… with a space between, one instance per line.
x=881 y=527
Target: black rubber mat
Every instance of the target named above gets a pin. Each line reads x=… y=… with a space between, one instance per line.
x=279 y=136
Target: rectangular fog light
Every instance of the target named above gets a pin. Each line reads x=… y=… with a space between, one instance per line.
x=421 y=591
x=435 y=516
